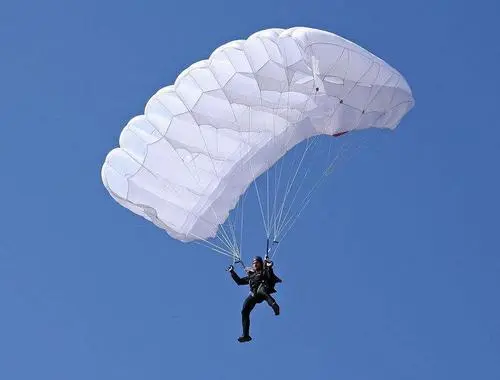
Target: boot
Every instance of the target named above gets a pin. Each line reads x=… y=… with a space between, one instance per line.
x=244 y=338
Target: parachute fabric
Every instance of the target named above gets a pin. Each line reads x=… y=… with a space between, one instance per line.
x=226 y=120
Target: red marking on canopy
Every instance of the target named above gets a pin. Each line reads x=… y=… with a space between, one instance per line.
x=339 y=134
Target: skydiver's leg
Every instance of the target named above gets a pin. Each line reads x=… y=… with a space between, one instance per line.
x=248 y=306
x=270 y=300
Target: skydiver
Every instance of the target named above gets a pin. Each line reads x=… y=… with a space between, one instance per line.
x=262 y=280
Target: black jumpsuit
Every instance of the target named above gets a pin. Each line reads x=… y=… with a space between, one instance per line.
x=261 y=286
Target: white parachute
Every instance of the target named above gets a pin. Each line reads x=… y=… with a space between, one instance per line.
x=202 y=141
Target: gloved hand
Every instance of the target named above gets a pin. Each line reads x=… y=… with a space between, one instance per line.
x=268 y=261
x=230 y=268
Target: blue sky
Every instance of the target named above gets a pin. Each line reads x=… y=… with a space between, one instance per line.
x=392 y=273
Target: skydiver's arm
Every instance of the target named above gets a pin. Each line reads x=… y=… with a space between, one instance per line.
x=270 y=272
x=269 y=269
x=239 y=280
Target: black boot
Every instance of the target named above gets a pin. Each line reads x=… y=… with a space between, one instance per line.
x=244 y=338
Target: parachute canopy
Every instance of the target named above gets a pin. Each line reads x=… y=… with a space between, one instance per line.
x=202 y=141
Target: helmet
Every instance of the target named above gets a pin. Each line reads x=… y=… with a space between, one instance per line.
x=258 y=258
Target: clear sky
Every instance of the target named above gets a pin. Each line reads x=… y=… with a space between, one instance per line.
x=392 y=273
